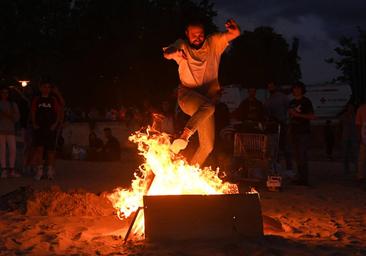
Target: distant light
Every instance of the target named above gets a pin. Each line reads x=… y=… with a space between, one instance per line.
x=24 y=83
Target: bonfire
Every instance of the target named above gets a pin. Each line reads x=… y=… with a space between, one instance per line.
x=163 y=173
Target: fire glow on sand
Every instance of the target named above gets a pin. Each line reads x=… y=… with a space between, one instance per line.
x=173 y=176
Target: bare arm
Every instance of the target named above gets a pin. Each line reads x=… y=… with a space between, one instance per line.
x=359 y=131
x=233 y=30
x=59 y=115
x=59 y=96
x=173 y=53
x=309 y=116
x=33 y=114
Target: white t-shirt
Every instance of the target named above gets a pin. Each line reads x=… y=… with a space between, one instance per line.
x=202 y=65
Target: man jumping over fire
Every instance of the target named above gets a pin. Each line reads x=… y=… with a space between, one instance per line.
x=198 y=59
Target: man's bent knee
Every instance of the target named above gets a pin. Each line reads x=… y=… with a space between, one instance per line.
x=210 y=108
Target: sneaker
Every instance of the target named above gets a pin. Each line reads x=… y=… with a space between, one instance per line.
x=289 y=174
x=178 y=145
x=4 y=174
x=301 y=183
x=39 y=173
x=27 y=171
x=13 y=174
x=50 y=173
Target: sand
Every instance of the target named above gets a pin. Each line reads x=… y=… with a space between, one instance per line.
x=326 y=219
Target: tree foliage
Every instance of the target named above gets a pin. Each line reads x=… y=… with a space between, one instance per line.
x=92 y=47
x=351 y=62
x=260 y=56
x=110 y=52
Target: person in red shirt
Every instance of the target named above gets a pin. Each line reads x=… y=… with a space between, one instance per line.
x=46 y=117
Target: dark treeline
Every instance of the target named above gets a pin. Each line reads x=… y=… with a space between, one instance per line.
x=110 y=52
x=351 y=62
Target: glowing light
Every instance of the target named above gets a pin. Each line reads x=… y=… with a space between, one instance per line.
x=24 y=83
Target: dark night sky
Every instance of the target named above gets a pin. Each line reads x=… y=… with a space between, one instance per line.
x=318 y=24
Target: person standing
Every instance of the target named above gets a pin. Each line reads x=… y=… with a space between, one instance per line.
x=24 y=98
x=361 y=130
x=112 y=147
x=329 y=139
x=277 y=109
x=349 y=137
x=46 y=117
x=301 y=112
x=250 y=109
x=198 y=60
x=9 y=115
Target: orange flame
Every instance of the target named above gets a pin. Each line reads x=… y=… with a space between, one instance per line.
x=173 y=176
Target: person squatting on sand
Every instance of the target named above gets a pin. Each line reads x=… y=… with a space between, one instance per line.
x=198 y=60
x=46 y=117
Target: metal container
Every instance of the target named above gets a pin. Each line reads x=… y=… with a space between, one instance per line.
x=202 y=217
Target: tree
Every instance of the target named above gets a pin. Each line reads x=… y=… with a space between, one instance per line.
x=99 y=52
x=351 y=62
x=260 y=56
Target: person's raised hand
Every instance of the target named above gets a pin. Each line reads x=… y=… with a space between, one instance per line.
x=174 y=53
x=231 y=24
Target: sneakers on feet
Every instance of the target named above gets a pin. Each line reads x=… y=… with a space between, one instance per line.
x=51 y=173
x=4 y=174
x=178 y=145
x=290 y=174
x=301 y=183
x=39 y=173
x=13 y=174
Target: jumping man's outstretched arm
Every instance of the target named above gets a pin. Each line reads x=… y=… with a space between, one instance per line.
x=173 y=53
x=233 y=30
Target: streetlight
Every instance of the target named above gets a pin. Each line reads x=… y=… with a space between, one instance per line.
x=24 y=83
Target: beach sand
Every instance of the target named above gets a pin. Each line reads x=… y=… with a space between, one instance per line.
x=329 y=218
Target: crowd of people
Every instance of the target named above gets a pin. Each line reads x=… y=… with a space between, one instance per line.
x=38 y=117
x=197 y=108
x=291 y=116
x=290 y=119
x=40 y=125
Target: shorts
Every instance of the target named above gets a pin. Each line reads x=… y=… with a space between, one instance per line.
x=45 y=138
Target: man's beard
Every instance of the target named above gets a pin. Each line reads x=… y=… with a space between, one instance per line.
x=196 y=47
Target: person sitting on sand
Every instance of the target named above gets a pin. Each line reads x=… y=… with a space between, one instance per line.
x=112 y=147
x=95 y=147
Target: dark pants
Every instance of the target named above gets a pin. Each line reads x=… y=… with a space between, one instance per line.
x=350 y=153
x=46 y=138
x=300 y=145
x=329 y=145
x=284 y=145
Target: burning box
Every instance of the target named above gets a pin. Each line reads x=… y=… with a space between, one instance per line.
x=202 y=217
